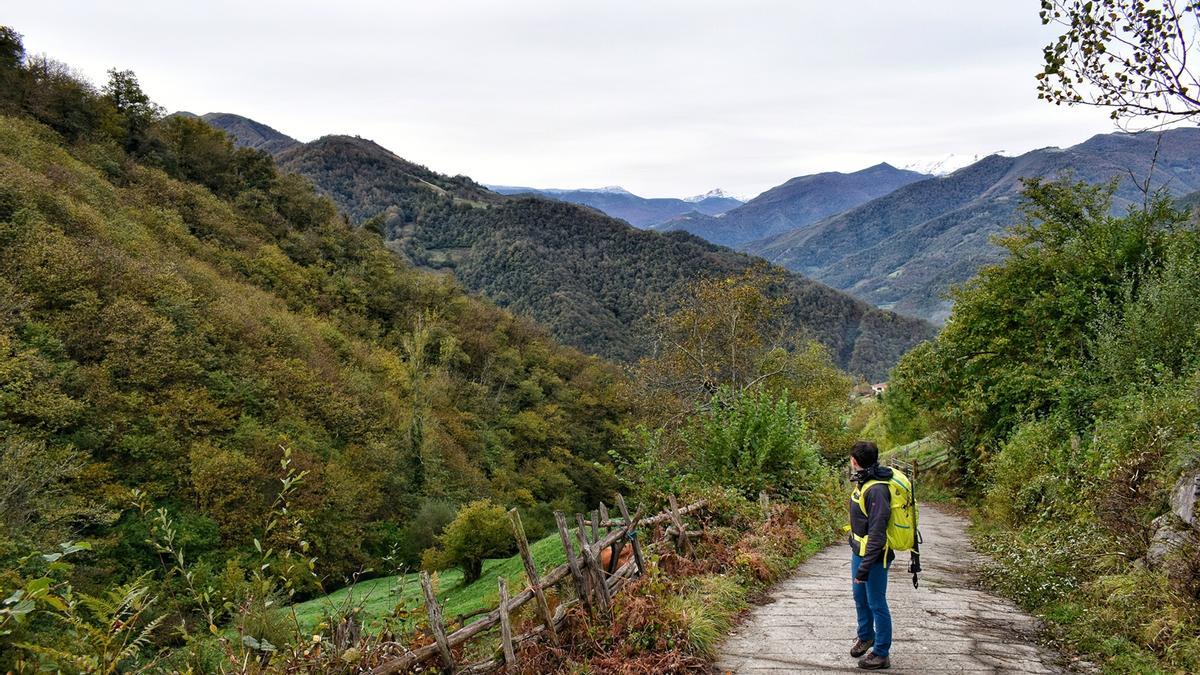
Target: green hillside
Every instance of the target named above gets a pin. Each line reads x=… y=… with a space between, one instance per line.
x=220 y=398
x=593 y=281
x=382 y=596
x=1067 y=388
x=174 y=313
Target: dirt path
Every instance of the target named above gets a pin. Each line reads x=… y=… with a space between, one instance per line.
x=948 y=625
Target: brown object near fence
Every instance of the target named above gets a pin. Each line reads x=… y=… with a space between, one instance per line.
x=594 y=587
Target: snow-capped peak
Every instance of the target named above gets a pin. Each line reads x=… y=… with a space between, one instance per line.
x=947 y=164
x=716 y=193
x=611 y=189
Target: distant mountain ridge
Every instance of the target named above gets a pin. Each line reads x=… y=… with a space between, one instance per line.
x=904 y=250
x=638 y=211
x=591 y=280
x=250 y=133
x=794 y=204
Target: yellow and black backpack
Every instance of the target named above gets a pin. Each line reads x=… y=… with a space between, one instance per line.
x=902 y=533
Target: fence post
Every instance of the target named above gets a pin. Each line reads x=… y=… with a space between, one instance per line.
x=506 y=624
x=683 y=542
x=531 y=572
x=637 y=548
x=614 y=554
x=435 y=621
x=603 y=600
x=764 y=503
x=916 y=469
x=581 y=586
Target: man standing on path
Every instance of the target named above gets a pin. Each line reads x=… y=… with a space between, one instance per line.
x=868 y=537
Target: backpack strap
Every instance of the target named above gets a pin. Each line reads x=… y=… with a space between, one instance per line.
x=860 y=496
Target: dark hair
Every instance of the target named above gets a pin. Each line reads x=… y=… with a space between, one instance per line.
x=865 y=453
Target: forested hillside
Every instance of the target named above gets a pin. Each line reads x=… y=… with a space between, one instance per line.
x=252 y=134
x=796 y=203
x=176 y=317
x=904 y=250
x=218 y=397
x=593 y=281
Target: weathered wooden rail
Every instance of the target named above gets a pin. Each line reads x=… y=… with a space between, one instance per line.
x=920 y=455
x=594 y=586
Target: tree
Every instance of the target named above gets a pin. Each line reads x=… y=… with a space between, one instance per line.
x=12 y=57
x=480 y=530
x=732 y=335
x=137 y=112
x=37 y=502
x=718 y=336
x=420 y=366
x=1128 y=55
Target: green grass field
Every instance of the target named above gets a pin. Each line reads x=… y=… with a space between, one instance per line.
x=380 y=597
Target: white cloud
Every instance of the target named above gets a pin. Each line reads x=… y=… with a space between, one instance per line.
x=665 y=98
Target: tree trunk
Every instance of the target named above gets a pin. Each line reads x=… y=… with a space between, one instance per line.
x=472 y=570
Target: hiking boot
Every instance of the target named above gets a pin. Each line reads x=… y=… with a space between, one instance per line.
x=860 y=647
x=874 y=662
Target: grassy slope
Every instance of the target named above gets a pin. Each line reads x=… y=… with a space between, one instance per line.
x=380 y=597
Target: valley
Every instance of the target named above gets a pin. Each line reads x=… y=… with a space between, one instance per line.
x=607 y=281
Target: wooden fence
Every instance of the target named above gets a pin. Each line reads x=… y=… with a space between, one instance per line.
x=594 y=586
x=921 y=455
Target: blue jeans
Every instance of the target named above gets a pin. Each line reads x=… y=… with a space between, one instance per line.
x=870 y=600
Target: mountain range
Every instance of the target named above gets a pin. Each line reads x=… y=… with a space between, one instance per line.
x=794 y=204
x=896 y=238
x=637 y=211
x=592 y=280
x=905 y=249
x=900 y=238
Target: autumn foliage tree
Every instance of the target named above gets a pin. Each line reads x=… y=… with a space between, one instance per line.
x=731 y=335
x=734 y=397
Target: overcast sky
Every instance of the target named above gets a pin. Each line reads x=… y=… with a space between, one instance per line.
x=663 y=98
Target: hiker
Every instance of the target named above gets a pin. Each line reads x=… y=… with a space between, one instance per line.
x=868 y=565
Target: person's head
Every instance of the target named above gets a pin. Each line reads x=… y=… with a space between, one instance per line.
x=864 y=455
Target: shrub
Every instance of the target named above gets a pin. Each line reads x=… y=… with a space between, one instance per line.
x=753 y=441
x=1041 y=566
x=481 y=530
x=1036 y=474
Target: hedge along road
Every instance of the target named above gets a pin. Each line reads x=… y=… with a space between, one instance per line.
x=947 y=625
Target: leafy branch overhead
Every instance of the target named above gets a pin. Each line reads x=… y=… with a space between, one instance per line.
x=1128 y=55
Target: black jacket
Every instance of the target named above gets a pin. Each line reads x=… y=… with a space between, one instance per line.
x=874 y=524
